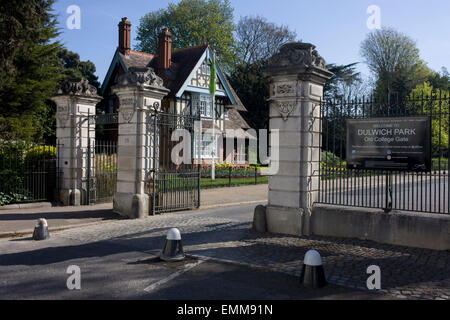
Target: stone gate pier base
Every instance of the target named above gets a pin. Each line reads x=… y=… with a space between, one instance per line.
x=297 y=76
x=75 y=101
x=139 y=91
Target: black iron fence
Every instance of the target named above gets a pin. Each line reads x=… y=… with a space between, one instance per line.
x=227 y=175
x=28 y=172
x=399 y=190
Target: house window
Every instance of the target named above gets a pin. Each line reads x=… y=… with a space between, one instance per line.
x=202 y=103
x=205 y=109
x=205 y=69
x=207 y=146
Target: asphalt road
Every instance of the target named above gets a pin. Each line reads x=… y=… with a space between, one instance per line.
x=409 y=192
x=123 y=270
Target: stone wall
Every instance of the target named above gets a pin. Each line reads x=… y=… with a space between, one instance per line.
x=412 y=229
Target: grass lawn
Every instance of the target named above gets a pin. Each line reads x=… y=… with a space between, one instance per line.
x=223 y=182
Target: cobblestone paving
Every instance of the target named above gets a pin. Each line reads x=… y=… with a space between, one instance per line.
x=407 y=273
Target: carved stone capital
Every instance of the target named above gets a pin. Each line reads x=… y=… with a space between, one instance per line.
x=140 y=76
x=77 y=87
x=297 y=54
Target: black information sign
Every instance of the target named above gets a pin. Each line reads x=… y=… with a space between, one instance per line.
x=400 y=144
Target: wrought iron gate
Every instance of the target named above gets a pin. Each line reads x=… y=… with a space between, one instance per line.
x=172 y=187
x=409 y=191
x=102 y=159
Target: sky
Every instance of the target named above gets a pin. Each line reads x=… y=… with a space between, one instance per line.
x=337 y=28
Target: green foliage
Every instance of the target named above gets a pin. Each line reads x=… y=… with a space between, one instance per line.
x=191 y=22
x=73 y=67
x=394 y=59
x=253 y=89
x=32 y=64
x=330 y=160
x=40 y=153
x=19 y=162
x=12 y=154
x=441 y=163
x=207 y=183
x=12 y=197
x=344 y=77
x=31 y=73
x=21 y=27
x=438 y=109
x=440 y=80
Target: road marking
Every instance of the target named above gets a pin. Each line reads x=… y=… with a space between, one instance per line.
x=186 y=268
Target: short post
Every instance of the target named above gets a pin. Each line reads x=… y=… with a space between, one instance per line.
x=75 y=101
x=297 y=75
x=229 y=177
x=256 y=175
x=140 y=92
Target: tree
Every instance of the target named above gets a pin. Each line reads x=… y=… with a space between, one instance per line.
x=21 y=23
x=32 y=72
x=394 y=60
x=440 y=80
x=257 y=39
x=191 y=22
x=253 y=89
x=436 y=103
x=73 y=67
x=345 y=82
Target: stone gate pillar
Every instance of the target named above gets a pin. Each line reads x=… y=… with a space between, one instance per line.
x=297 y=76
x=139 y=91
x=75 y=100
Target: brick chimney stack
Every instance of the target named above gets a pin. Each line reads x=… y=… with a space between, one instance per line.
x=125 y=36
x=164 y=50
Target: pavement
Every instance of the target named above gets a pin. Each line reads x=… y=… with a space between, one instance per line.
x=119 y=260
x=226 y=260
x=21 y=219
x=117 y=254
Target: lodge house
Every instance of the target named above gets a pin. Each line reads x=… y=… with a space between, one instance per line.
x=186 y=73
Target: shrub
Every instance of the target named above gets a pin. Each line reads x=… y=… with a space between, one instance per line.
x=329 y=159
x=13 y=197
x=40 y=153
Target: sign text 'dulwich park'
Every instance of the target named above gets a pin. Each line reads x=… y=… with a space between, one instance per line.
x=401 y=144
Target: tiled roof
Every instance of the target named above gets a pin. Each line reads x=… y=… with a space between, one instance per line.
x=183 y=62
x=207 y=124
x=136 y=59
x=236 y=121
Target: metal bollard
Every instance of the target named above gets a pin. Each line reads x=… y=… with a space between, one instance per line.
x=41 y=230
x=173 y=248
x=313 y=275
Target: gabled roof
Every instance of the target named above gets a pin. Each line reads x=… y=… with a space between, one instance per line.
x=182 y=67
x=183 y=63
